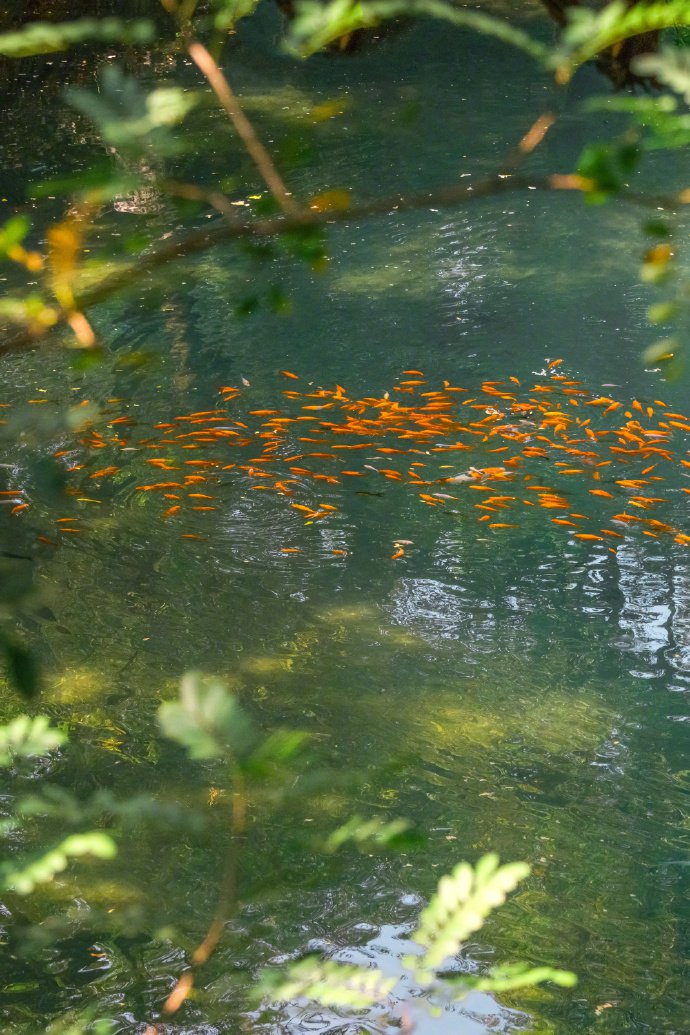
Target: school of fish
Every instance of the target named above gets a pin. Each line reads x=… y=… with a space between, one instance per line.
x=487 y=454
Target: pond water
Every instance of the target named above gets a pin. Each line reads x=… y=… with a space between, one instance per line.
x=512 y=688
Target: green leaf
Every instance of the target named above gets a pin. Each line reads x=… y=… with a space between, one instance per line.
x=461 y=904
x=509 y=978
x=328 y=983
x=103 y=181
x=50 y=37
x=128 y=118
x=30 y=309
x=306 y=243
x=13 y=233
x=589 y=32
x=664 y=125
x=663 y=312
x=228 y=12
x=42 y=870
x=316 y=24
x=670 y=66
x=272 y=754
x=25 y=737
x=372 y=833
x=607 y=167
x=208 y=720
x=520 y=975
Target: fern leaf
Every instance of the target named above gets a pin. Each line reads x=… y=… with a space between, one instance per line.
x=462 y=902
x=328 y=983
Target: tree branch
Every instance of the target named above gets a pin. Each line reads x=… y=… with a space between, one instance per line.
x=202 y=239
x=260 y=156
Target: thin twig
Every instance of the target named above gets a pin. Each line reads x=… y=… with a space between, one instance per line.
x=530 y=141
x=193 y=192
x=262 y=159
x=202 y=239
x=224 y=907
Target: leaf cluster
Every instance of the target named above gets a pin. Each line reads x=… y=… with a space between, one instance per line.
x=588 y=31
x=23 y=880
x=135 y=122
x=25 y=737
x=463 y=900
x=52 y=37
x=317 y=25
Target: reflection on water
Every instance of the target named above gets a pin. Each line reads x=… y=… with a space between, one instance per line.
x=468 y=268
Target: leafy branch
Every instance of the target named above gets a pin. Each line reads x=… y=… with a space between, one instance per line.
x=23 y=880
x=462 y=902
x=589 y=33
x=228 y=14
x=317 y=25
x=210 y=723
x=42 y=317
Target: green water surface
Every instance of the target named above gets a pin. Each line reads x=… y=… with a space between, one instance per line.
x=522 y=691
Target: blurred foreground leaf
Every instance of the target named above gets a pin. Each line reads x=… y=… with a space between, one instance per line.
x=25 y=737
x=42 y=870
x=462 y=902
x=130 y=119
x=207 y=720
x=316 y=24
x=328 y=983
x=50 y=37
x=373 y=833
x=230 y=11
